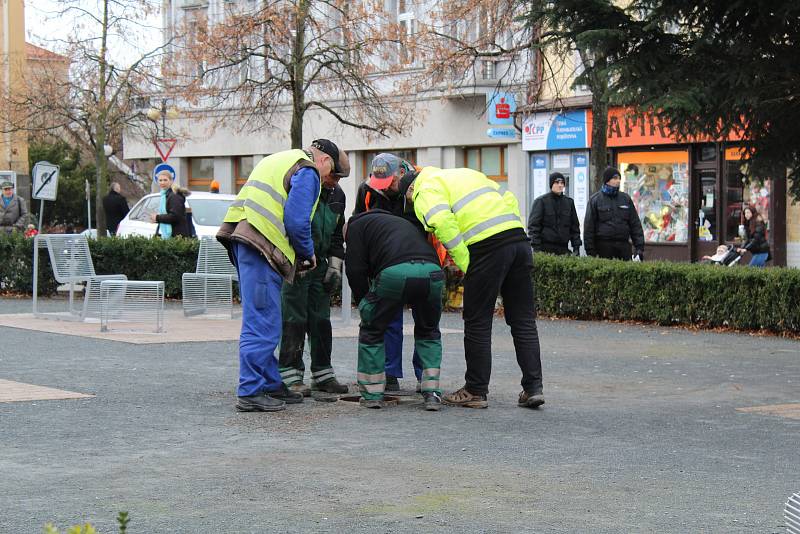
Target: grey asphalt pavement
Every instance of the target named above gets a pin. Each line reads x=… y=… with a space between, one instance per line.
x=641 y=433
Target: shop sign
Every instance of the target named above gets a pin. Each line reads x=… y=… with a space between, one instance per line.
x=502 y=133
x=501 y=108
x=555 y=131
x=539 y=176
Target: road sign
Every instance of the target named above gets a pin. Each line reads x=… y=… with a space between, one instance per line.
x=163 y=167
x=502 y=133
x=45 y=181
x=164 y=147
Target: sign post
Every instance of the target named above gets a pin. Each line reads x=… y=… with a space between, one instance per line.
x=45 y=185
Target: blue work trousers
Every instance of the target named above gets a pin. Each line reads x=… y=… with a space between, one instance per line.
x=393 y=341
x=260 y=289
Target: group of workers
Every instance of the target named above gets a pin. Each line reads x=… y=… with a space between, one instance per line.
x=287 y=237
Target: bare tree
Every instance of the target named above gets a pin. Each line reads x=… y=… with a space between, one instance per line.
x=96 y=99
x=292 y=56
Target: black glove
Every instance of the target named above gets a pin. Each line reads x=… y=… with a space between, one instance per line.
x=576 y=252
x=333 y=276
x=639 y=254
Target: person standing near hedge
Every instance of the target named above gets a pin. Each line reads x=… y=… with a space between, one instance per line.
x=553 y=221
x=756 y=233
x=611 y=222
x=267 y=232
x=306 y=303
x=13 y=212
x=171 y=217
x=116 y=207
x=483 y=232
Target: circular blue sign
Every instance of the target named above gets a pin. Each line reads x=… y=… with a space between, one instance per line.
x=163 y=167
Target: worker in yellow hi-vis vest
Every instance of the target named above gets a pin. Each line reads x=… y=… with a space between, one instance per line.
x=267 y=232
x=482 y=230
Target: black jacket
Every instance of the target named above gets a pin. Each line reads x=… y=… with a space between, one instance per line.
x=553 y=223
x=176 y=214
x=116 y=207
x=376 y=240
x=611 y=218
x=757 y=239
x=368 y=199
x=326 y=227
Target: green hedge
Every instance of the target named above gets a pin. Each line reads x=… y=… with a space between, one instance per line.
x=139 y=258
x=669 y=293
x=584 y=288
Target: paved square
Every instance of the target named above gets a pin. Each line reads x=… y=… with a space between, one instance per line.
x=17 y=391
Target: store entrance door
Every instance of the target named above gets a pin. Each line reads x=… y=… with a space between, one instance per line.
x=706 y=223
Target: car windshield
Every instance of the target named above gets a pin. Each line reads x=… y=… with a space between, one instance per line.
x=209 y=212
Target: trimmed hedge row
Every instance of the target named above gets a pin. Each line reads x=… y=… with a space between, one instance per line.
x=140 y=258
x=669 y=293
x=584 y=288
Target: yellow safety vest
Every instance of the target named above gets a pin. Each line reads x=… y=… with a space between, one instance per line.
x=462 y=207
x=263 y=197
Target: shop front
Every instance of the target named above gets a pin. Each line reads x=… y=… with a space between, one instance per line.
x=689 y=196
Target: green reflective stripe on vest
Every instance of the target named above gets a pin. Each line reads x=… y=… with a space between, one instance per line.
x=267 y=189
x=472 y=196
x=247 y=203
x=489 y=223
x=262 y=199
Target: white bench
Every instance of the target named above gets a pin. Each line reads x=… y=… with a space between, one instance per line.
x=72 y=266
x=139 y=302
x=209 y=290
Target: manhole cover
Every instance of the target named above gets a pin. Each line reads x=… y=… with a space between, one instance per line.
x=389 y=400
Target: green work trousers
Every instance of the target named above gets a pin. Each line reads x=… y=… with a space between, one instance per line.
x=419 y=284
x=306 y=308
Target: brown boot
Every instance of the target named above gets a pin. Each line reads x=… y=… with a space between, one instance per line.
x=330 y=386
x=530 y=400
x=465 y=399
x=299 y=387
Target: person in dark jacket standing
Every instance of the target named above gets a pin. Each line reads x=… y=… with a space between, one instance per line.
x=389 y=264
x=611 y=222
x=306 y=303
x=171 y=216
x=13 y=213
x=553 y=222
x=116 y=207
x=756 y=233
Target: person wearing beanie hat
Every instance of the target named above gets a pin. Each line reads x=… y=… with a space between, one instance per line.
x=553 y=221
x=383 y=191
x=13 y=212
x=268 y=234
x=611 y=223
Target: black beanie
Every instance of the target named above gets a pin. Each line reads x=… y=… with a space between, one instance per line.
x=556 y=176
x=406 y=181
x=610 y=173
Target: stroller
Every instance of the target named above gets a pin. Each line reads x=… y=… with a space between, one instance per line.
x=726 y=255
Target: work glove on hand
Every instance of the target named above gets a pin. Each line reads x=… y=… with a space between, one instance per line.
x=639 y=254
x=306 y=266
x=576 y=252
x=333 y=276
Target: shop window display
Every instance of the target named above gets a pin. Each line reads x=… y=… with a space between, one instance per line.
x=658 y=183
x=744 y=191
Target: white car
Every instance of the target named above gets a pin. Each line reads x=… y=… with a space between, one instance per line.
x=208 y=210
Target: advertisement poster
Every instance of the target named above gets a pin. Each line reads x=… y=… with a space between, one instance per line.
x=581 y=187
x=539 y=176
x=555 y=131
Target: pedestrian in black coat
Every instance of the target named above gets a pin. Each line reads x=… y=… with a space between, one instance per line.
x=611 y=222
x=553 y=222
x=116 y=207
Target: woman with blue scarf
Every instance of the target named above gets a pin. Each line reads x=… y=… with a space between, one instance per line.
x=171 y=217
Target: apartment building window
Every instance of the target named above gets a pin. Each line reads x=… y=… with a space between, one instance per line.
x=488 y=70
x=490 y=160
x=242 y=167
x=195 y=23
x=201 y=172
x=408 y=27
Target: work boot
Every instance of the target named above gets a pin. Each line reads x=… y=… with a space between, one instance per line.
x=259 y=403
x=530 y=400
x=331 y=386
x=433 y=402
x=392 y=384
x=375 y=404
x=299 y=387
x=286 y=395
x=465 y=399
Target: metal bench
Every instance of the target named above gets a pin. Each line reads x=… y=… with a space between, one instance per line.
x=139 y=302
x=72 y=266
x=209 y=290
x=791 y=513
